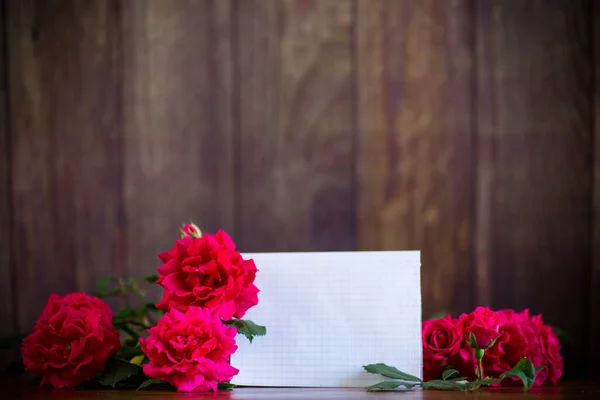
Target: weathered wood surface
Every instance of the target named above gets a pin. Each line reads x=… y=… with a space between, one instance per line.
x=296 y=113
x=415 y=154
x=467 y=130
x=535 y=159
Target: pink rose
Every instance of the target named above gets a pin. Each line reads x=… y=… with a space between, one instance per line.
x=71 y=340
x=484 y=337
x=520 y=336
x=549 y=345
x=485 y=323
x=191 y=351
x=207 y=272
x=441 y=343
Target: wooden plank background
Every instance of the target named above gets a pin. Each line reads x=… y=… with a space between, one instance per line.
x=467 y=129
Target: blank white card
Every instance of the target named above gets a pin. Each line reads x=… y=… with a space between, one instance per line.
x=327 y=314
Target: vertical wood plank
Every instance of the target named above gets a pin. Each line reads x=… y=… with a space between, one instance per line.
x=296 y=125
x=535 y=124
x=594 y=338
x=177 y=123
x=65 y=147
x=6 y=294
x=415 y=161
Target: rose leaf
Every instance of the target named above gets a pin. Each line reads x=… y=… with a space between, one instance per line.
x=150 y=382
x=151 y=278
x=225 y=386
x=524 y=370
x=390 y=372
x=448 y=373
x=444 y=385
x=247 y=328
x=390 y=385
x=117 y=372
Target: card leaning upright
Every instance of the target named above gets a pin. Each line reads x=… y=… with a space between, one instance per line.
x=330 y=313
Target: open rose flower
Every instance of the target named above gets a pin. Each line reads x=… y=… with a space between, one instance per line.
x=207 y=272
x=519 y=335
x=71 y=340
x=441 y=344
x=190 y=350
x=549 y=352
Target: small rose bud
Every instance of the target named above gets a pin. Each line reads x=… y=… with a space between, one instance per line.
x=190 y=230
x=482 y=338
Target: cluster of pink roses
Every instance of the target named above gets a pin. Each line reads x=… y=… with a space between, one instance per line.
x=517 y=334
x=205 y=281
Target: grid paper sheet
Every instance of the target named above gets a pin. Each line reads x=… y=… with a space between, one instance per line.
x=329 y=313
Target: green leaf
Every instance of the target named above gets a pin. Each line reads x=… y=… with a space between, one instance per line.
x=123 y=326
x=480 y=382
x=102 y=283
x=390 y=385
x=537 y=369
x=247 y=328
x=562 y=335
x=117 y=372
x=443 y=385
x=458 y=379
x=390 y=372
x=11 y=341
x=225 y=386
x=438 y=315
x=151 y=278
x=448 y=373
x=125 y=313
x=472 y=341
x=524 y=370
x=150 y=382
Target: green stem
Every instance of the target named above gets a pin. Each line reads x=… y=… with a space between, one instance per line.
x=479 y=357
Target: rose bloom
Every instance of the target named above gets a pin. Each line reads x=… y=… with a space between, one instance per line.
x=441 y=344
x=207 y=272
x=71 y=340
x=549 y=351
x=520 y=336
x=191 y=351
x=482 y=322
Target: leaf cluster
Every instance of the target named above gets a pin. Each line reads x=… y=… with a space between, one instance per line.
x=524 y=370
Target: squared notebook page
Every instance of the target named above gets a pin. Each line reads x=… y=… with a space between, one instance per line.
x=329 y=313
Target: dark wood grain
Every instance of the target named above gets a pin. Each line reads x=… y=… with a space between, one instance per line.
x=65 y=148
x=177 y=117
x=534 y=122
x=594 y=334
x=296 y=125
x=415 y=154
x=567 y=390
x=6 y=292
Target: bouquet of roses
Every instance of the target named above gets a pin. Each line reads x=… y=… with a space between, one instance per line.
x=185 y=340
x=484 y=348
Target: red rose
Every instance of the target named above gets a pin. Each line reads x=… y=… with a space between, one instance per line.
x=550 y=357
x=71 y=340
x=191 y=351
x=485 y=323
x=520 y=336
x=441 y=343
x=483 y=337
x=207 y=272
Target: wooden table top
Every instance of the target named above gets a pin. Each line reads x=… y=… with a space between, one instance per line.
x=567 y=390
